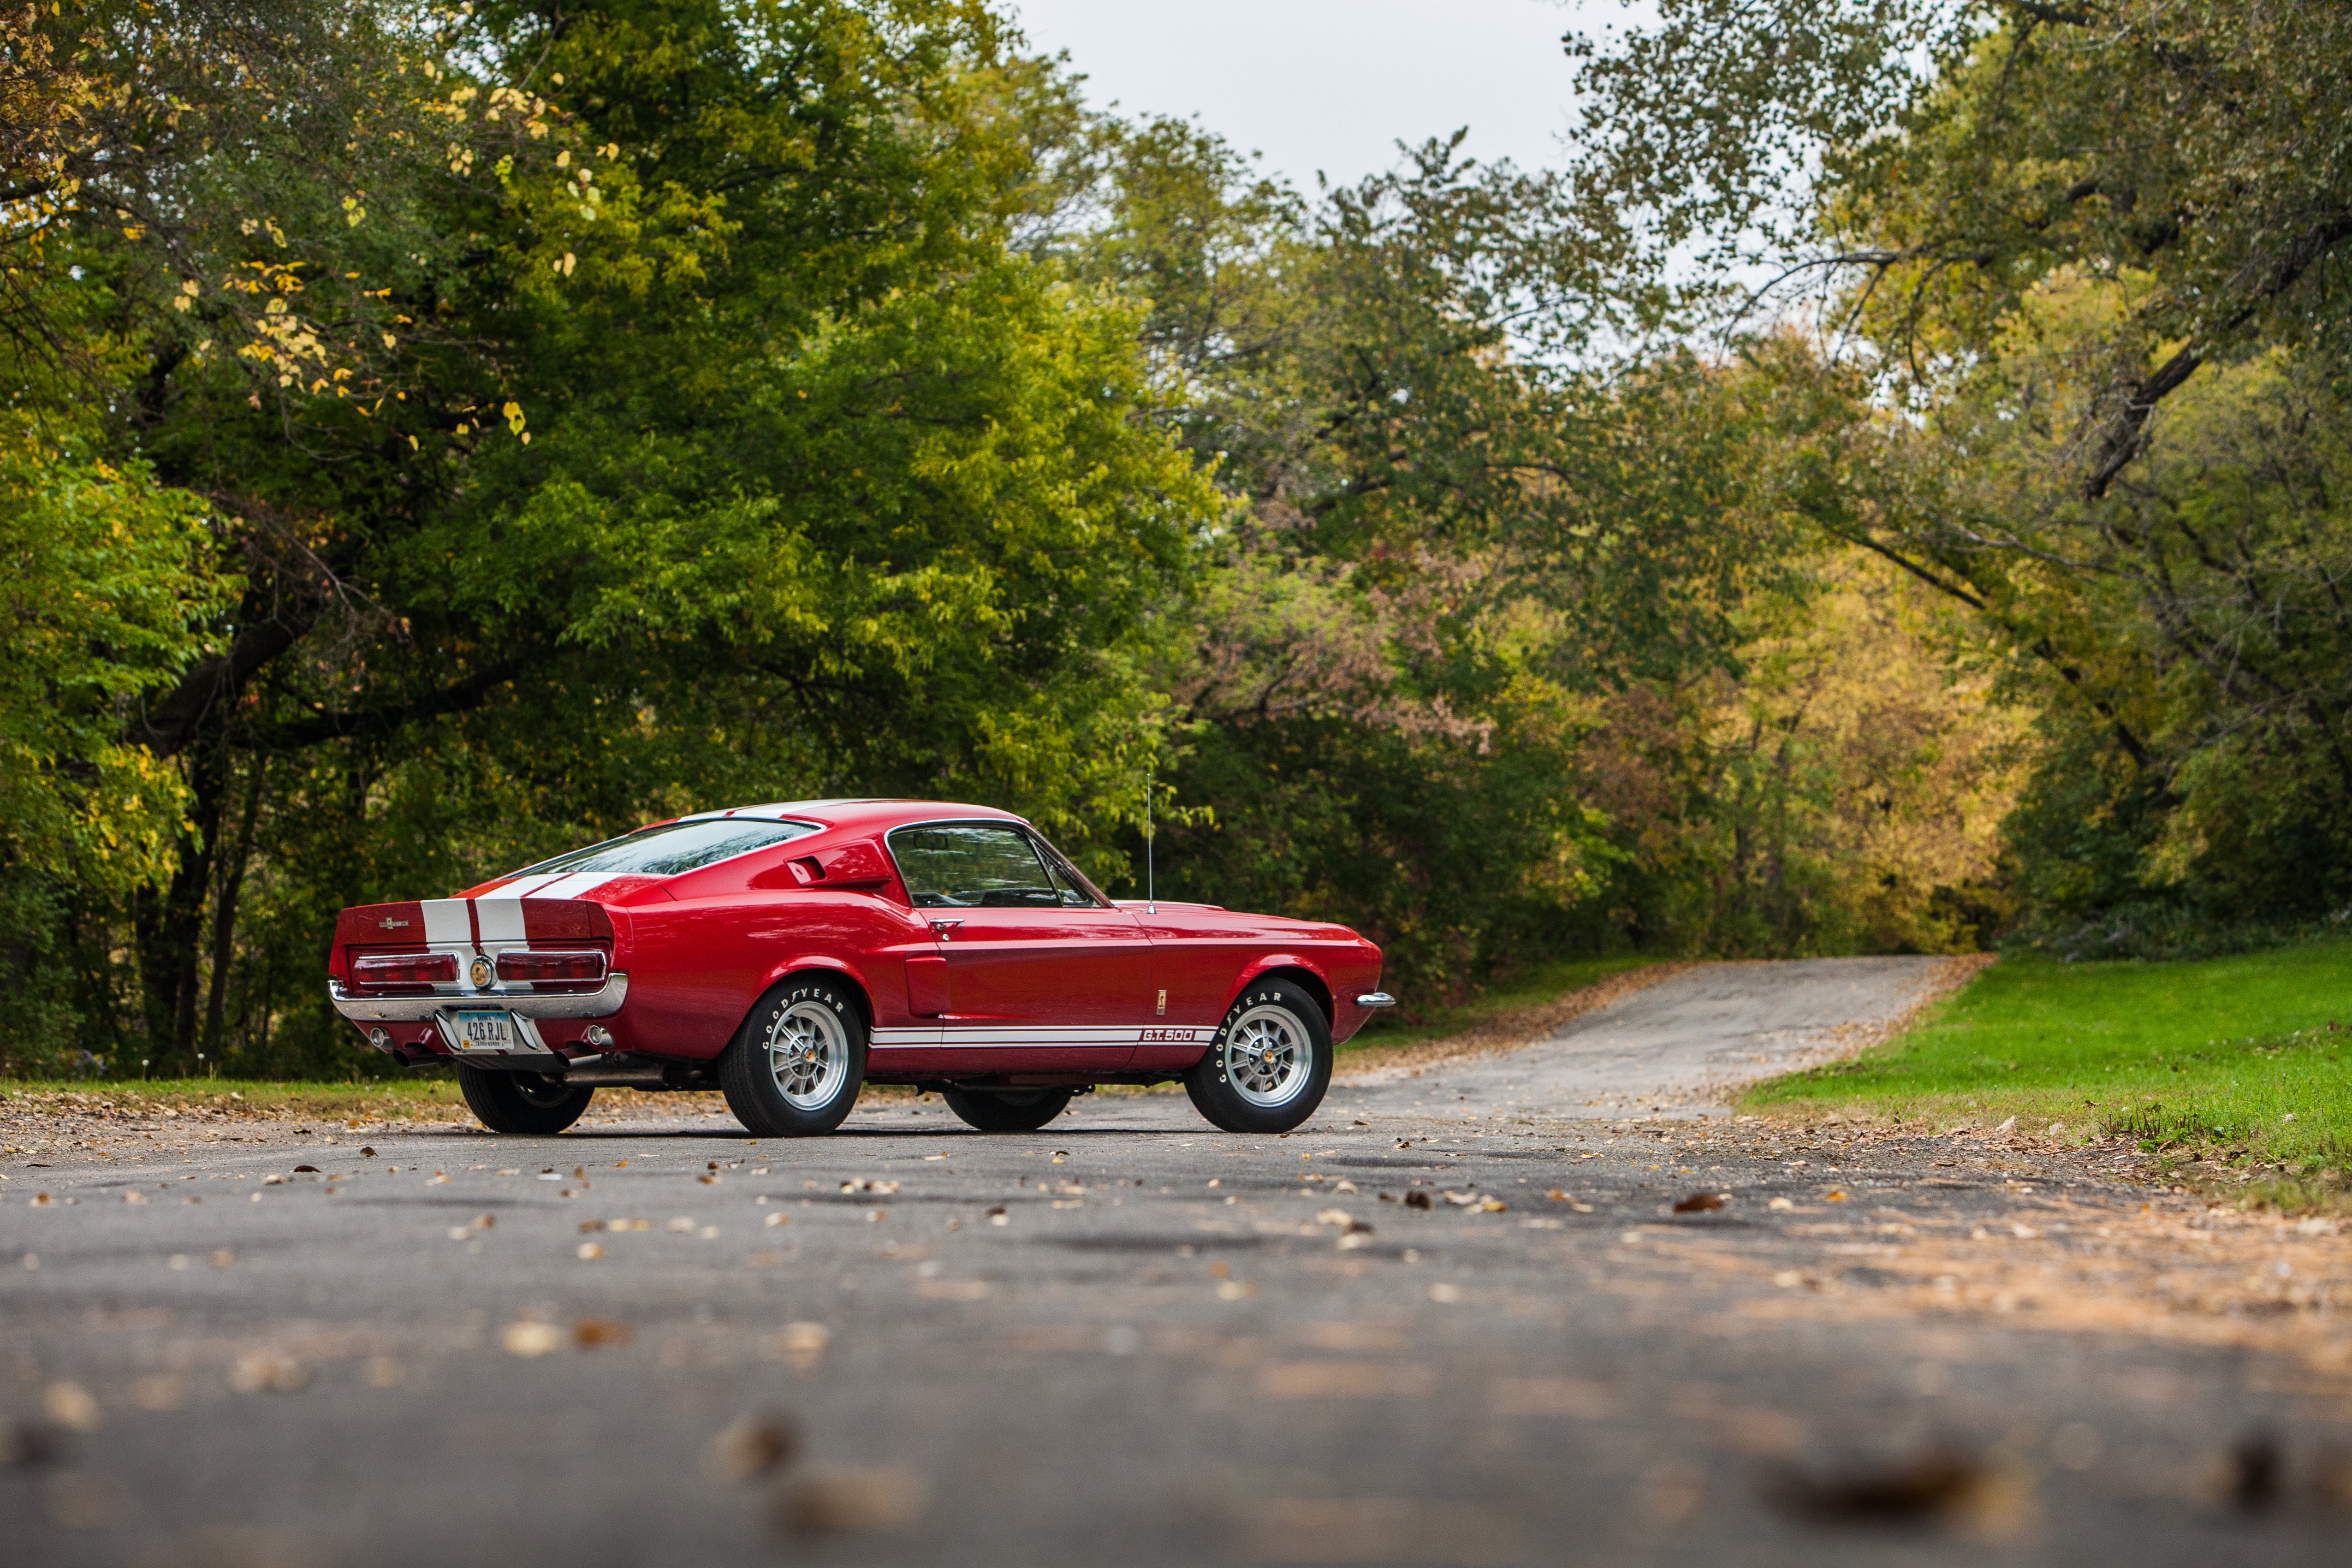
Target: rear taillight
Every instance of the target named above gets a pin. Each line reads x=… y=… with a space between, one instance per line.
x=406 y=969
x=551 y=968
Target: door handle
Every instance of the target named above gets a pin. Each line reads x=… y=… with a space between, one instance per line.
x=947 y=928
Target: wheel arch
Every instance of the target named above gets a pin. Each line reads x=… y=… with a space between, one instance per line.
x=820 y=969
x=1295 y=969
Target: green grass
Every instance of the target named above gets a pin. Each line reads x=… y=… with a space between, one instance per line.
x=1533 y=986
x=2245 y=1060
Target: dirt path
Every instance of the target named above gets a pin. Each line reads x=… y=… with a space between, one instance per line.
x=1678 y=1046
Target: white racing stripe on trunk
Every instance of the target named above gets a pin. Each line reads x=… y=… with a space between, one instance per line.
x=502 y=917
x=447 y=923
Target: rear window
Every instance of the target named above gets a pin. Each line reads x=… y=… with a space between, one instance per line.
x=673 y=847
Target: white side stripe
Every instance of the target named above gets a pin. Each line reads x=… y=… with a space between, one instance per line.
x=992 y=1037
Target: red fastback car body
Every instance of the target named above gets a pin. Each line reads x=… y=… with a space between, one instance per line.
x=789 y=953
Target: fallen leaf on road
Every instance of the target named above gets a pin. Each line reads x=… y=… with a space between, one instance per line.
x=681 y=1226
x=532 y=1338
x=803 y=1344
x=778 y=1219
x=1782 y=1205
x=1835 y=1197
x=366 y=1152
x=223 y=1258
x=589 y=1251
x=267 y=1371
x=1460 y=1200
x=1416 y=1200
x=1938 y=1486
x=998 y=1216
x=30 y=1443
x=843 y=1501
x=300 y=1169
x=69 y=1405
x=134 y=1197
x=750 y=1446
x=592 y=1333
x=1698 y=1203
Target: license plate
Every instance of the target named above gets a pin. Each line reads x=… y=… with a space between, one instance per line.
x=485 y=1031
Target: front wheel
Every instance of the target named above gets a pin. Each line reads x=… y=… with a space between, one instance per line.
x=794 y=1069
x=1007 y=1111
x=1270 y=1064
x=529 y=1102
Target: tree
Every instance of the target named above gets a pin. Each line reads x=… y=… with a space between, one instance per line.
x=1939 y=159
x=607 y=412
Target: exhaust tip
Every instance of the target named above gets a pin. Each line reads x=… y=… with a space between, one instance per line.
x=597 y=1038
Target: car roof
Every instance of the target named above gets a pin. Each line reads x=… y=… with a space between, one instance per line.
x=867 y=814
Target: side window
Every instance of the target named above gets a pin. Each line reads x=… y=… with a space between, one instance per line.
x=972 y=865
x=1067 y=886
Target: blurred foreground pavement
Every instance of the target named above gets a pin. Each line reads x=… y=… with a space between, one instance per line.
x=1133 y=1339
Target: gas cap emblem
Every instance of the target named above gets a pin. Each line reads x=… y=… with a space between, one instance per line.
x=481 y=973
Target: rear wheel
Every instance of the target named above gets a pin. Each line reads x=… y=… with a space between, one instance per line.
x=795 y=1068
x=1008 y=1111
x=1270 y=1064
x=529 y=1102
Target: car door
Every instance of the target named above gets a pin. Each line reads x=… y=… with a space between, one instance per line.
x=1040 y=973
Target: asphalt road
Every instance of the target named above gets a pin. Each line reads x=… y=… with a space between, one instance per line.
x=1132 y=1339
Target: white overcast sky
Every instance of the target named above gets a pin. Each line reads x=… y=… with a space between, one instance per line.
x=1331 y=85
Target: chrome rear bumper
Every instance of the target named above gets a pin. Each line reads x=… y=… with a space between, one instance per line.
x=601 y=1003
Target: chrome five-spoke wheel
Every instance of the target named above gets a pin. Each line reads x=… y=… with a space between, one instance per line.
x=808 y=1053
x=796 y=1064
x=1269 y=1057
x=1271 y=1063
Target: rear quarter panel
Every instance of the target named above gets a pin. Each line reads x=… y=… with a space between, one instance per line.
x=730 y=932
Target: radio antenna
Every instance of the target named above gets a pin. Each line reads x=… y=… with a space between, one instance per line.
x=1150 y=871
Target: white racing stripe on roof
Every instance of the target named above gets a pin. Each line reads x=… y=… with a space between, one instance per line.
x=446 y=921
x=522 y=887
x=578 y=884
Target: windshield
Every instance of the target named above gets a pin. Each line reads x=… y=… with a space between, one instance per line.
x=673 y=847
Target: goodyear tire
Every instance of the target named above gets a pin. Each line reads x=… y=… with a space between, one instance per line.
x=795 y=1068
x=1007 y=1111
x=526 y=1102
x=1270 y=1063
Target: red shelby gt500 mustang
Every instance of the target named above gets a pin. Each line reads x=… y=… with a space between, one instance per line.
x=789 y=954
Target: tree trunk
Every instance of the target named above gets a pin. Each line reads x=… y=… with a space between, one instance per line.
x=232 y=881
x=169 y=927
